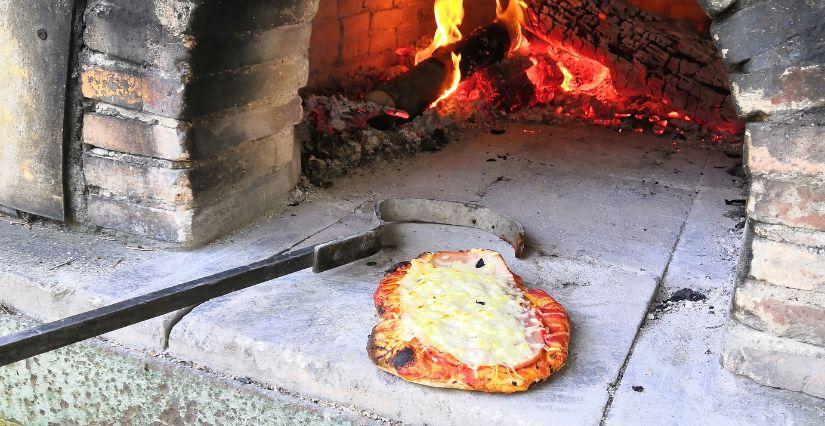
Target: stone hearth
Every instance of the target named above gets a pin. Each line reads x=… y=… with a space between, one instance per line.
x=179 y=133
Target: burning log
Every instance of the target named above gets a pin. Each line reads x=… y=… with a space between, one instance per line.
x=646 y=55
x=424 y=83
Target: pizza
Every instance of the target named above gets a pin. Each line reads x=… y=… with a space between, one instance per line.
x=462 y=319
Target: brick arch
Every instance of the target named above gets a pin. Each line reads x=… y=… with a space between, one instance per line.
x=775 y=51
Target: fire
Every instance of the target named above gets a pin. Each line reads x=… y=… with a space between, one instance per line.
x=513 y=18
x=567 y=84
x=455 y=79
x=448 y=16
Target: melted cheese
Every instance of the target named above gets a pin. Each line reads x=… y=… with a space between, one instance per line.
x=474 y=313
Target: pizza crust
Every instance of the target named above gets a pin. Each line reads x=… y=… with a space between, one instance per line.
x=428 y=366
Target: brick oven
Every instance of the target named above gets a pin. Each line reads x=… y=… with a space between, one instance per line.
x=178 y=127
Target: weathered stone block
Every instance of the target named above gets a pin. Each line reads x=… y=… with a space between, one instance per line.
x=121 y=32
x=203 y=223
x=172 y=185
x=799 y=203
x=775 y=361
x=784 y=312
x=156 y=92
x=776 y=90
x=760 y=25
x=785 y=149
x=137 y=137
x=787 y=234
x=788 y=265
x=122 y=85
x=211 y=135
x=138 y=179
x=159 y=224
x=195 y=17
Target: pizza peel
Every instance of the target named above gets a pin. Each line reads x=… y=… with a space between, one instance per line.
x=320 y=257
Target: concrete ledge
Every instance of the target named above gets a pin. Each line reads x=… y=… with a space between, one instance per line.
x=98 y=383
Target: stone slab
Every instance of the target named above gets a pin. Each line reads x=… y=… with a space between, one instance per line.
x=49 y=273
x=675 y=363
x=308 y=333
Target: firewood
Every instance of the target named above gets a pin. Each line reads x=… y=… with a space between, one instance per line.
x=419 y=87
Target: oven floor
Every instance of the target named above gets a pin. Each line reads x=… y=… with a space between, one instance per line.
x=616 y=223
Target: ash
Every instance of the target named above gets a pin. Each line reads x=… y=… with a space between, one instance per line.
x=336 y=137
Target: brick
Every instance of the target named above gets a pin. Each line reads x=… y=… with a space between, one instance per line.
x=120 y=32
x=212 y=135
x=327 y=9
x=785 y=149
x=787 y=234
x=374 y=5
x=387 y=19
x=143 y=89
x=355 y=48
x=129 y=35
x=774 y=361
x=218 y=53
x=324 y=47
x=135 y=137
x=799 y=203
x=159 y=224
x=788 y=265
x=190 y=228
x=273 y=81
x=350 y=7
x=131 y=88
x=354 y=26
x=136 y=180
x=775 y=90
x=382 y=40
x=783 y=312
x=212 y=178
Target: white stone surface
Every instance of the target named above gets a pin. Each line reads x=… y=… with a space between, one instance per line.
x=604 y=213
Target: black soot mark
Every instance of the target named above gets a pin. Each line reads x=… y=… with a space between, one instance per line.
x=480 y=263
x=402 y=358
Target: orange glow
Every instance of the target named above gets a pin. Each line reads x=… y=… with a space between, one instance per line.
x=448 y=16
x=455 y=79
x=512 y=17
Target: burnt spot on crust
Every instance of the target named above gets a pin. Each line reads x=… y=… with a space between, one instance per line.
x=380 y=309
x=480 y=263
x=403 y=357
x=395 y=267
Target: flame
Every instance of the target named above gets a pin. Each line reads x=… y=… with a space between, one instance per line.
x=567 y=84
x=455 y=79
x=513 y=18
x=448 y=16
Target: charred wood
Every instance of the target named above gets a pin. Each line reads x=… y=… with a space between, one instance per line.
x=647 y=56
x=419 y=87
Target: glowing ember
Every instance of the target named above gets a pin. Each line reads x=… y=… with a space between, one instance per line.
x=448 y=16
